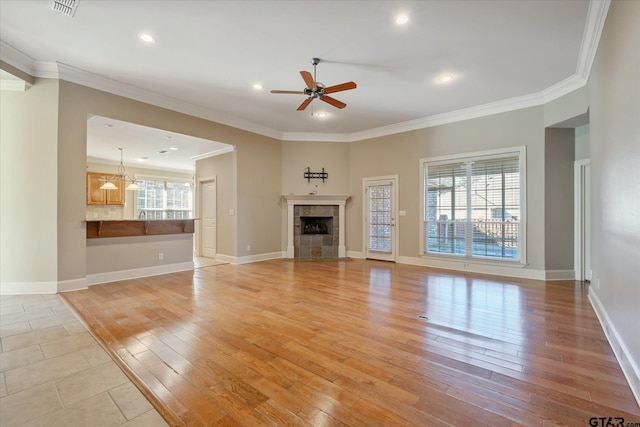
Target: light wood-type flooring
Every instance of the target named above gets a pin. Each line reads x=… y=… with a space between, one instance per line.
x=334 y=343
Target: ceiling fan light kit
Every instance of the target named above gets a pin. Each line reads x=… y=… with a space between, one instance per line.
x=316 y=90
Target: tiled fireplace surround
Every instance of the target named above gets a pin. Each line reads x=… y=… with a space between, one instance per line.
x=315 y=246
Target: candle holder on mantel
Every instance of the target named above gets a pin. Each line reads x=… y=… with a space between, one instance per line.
x=308 y=175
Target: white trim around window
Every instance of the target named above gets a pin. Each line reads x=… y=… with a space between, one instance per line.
x=469 y=159
x=164 y=210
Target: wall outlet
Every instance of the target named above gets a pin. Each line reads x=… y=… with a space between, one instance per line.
x=160 y=256
x=249 y=248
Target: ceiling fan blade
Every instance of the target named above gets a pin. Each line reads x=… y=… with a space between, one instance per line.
x=292 y=92
x=305 y=103
x=340 y=87
x=308 y=79
x=333 y=101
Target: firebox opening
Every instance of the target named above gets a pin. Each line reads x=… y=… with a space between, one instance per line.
x=316 y=225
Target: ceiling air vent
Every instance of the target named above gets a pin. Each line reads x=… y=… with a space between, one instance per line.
x=66 y=7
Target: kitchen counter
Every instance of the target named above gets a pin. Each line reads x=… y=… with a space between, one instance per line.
x=123 y=228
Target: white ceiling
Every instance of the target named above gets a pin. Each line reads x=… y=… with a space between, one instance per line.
x=209 y=54
x=142 y=145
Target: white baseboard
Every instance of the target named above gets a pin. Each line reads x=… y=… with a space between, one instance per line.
x=72 y=285
x=625 y=358
x=560 y=275
x=114 y=276
x=493 y=269
x=251 y=258
x=27 y=288
x=466 y=266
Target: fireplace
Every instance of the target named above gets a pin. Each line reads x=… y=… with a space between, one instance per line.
x=315 y=226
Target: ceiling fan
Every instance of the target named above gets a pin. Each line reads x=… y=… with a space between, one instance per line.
x=315 y=89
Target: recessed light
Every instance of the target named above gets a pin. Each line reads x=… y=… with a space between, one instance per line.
x=257 y=86
x=147 y=38
x=169 y=137
x=173 y=148
x=445 y=78
x=163 y=152
x=142 y=159
x=109 y=125
x=402 y=19
x=322 y=115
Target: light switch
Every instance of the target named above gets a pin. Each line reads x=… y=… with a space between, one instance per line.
x=402 y=213
x=232 y=212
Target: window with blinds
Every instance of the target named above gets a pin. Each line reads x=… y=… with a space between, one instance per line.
x=163 y=199
x=473 y=206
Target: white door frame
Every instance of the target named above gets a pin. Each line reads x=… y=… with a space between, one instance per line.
x=582 y=222
x=394 y=215
x=199 y=209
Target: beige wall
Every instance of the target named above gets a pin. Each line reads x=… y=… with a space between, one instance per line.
x=29 y=186
x=76 y=102
x=614 y=95
x=400 y=154
x=332 y=156
x=582 y=136
x=223 y=169
x=259 y=193
x=559 y=155
x=116 y=254
x=29 y=80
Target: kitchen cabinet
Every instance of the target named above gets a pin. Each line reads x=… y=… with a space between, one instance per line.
x=96 y=196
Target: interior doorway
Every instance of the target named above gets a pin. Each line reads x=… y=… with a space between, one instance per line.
x=208 y=232
x=380 y=195
x=582 y=220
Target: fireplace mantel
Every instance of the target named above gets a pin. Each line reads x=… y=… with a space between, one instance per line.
x=316 y=199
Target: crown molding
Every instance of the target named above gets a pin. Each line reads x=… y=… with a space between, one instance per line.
x=562 y=88
x=15 y=58
x=503 y=106
x=596 y=17
x=594 y=25
x=316 y=137
x=95 y=81
x=47 y=70
x=219 y=152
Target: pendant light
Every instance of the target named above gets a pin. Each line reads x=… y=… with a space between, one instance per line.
x=121 y=176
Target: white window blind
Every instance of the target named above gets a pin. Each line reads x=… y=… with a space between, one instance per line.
x=472 y=207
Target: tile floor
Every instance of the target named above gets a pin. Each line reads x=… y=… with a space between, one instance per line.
x=54 y=373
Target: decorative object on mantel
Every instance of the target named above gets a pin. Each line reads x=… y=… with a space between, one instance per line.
x=121 y=176
x=308 y=175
